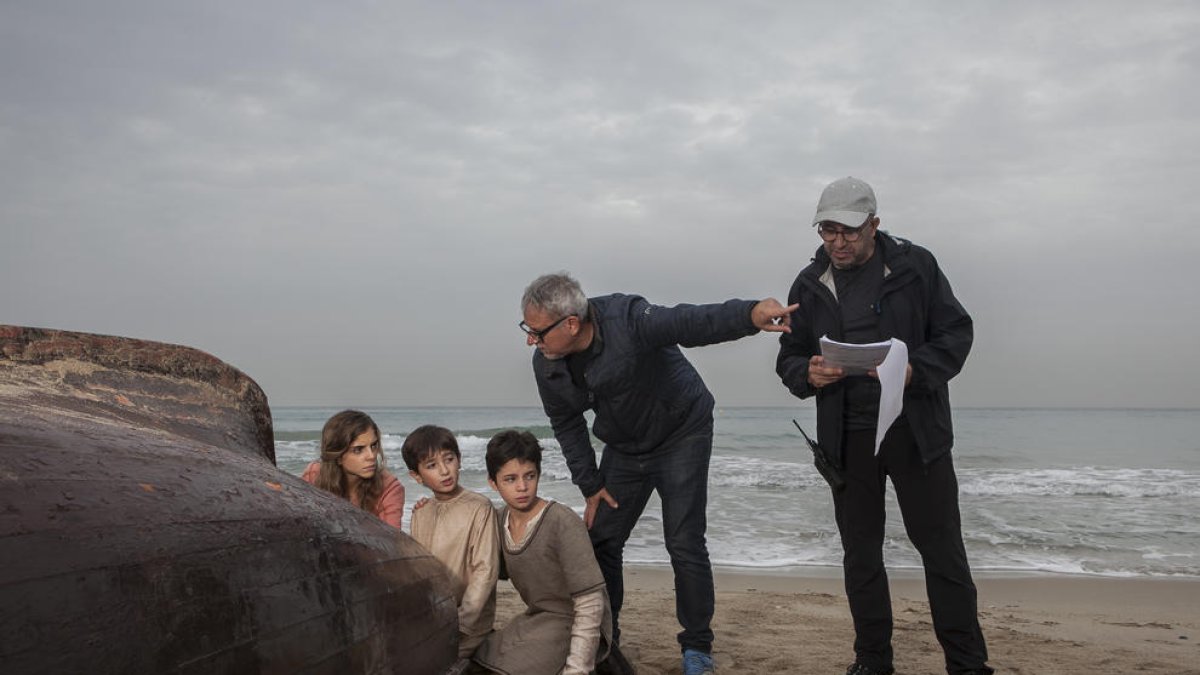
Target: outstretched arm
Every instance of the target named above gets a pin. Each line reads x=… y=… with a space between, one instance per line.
x=699 y=325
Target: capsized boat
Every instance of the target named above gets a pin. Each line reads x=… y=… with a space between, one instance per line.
x=144 y=528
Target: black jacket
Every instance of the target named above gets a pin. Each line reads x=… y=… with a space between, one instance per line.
x=917 y=306
x=645 y=394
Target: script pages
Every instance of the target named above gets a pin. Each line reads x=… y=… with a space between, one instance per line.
x=854 y=359
x=889 y=360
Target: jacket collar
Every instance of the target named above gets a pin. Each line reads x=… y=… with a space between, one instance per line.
x=893 y=249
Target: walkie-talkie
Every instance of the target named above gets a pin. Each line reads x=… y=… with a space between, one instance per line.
x=828 y=471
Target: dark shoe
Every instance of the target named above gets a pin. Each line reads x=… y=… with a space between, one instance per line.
x=976 y=671
x=615 y=664
x=857 y=668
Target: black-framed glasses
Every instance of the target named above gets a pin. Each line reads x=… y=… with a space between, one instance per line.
x=830 y=230
x=539 y=335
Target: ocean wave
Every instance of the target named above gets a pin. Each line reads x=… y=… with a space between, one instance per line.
x=1083 y=481
x=1047 y=563
x=748 y=472
x=742 y=472
x=794 y=479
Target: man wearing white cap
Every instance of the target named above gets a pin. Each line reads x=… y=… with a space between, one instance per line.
x=864 y=286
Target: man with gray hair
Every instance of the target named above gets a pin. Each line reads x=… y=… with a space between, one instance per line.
x=618 y=355
x=864 y=286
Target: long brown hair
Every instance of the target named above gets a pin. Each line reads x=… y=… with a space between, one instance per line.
x=339 y=432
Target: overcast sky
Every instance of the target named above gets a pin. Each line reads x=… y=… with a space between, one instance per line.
x=345 y=200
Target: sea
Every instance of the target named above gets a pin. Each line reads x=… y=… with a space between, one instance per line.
x=1109 y=493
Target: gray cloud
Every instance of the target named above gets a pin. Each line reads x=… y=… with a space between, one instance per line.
x=346 y=200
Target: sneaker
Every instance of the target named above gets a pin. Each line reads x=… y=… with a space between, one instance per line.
x=857 y=668
x=697 y=663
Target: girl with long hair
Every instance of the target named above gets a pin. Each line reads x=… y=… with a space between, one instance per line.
x=352 y=467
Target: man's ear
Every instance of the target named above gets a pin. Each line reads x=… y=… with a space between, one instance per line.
x=417 y=477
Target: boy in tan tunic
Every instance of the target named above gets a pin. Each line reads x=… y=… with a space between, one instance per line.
x=567 y=625
x=459 y=527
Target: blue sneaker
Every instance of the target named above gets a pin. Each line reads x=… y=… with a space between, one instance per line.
x=697 y=663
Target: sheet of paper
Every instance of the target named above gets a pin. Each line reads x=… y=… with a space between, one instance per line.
x=891 y=388
x=889 y=360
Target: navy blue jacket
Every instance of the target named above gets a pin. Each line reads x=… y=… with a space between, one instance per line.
x=645 y=394
x=915 y=305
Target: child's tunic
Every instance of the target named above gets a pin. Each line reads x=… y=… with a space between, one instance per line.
x=552 y=566
x=461 y=532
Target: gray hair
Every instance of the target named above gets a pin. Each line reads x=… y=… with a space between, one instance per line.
x=557 y=294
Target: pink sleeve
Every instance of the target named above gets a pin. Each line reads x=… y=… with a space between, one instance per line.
x=310 y=473
x=390 y=507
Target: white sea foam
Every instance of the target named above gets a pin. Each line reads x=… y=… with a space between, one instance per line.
x=1040 y=491
x=1081 y=481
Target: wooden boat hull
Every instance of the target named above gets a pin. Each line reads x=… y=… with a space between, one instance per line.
x=145 y=529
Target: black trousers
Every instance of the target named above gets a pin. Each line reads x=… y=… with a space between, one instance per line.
x=928 y=499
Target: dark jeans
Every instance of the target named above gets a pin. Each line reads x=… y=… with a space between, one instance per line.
x=928 y=499
x=679 y=472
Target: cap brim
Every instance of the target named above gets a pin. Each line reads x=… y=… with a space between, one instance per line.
x=847 y=218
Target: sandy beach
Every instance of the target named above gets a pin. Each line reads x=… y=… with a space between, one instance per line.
x=797 y=621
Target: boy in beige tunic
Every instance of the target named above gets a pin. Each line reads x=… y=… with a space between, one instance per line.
x=459 y=527
x=567 y=625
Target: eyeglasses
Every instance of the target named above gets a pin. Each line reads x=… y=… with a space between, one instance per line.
x=830 y=230
x=540 y=335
